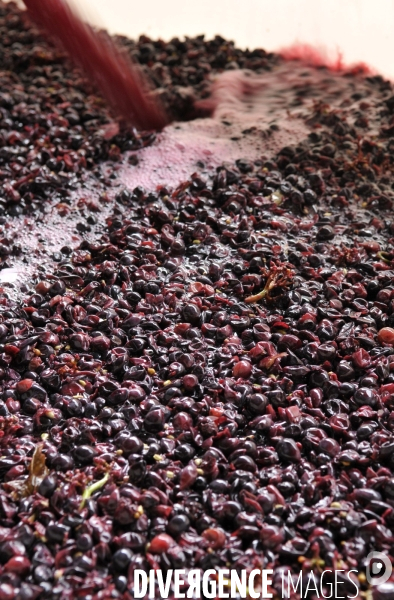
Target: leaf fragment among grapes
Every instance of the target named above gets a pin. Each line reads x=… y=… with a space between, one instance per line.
x=38 y=470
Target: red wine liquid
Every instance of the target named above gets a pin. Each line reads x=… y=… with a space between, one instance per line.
x=121 y=84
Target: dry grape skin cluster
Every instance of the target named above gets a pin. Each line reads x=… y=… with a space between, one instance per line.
x=209 y=384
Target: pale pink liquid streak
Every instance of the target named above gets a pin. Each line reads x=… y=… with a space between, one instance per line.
x=245 y=106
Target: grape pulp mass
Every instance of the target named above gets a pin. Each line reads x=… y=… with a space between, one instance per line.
x=208 y=383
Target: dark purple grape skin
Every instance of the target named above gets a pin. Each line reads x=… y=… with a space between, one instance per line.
x=178 y=524
x=56 y=533
x=154 y=420
x=121 y=559
x=288 y=450
x=47 y=486
x=84 y=542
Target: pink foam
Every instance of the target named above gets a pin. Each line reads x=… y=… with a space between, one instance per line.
x=312 y=56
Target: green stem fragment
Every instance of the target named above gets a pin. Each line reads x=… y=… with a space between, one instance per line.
x=256 y=297
x=384 y=256
x=91 y=489
x=277 y=277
